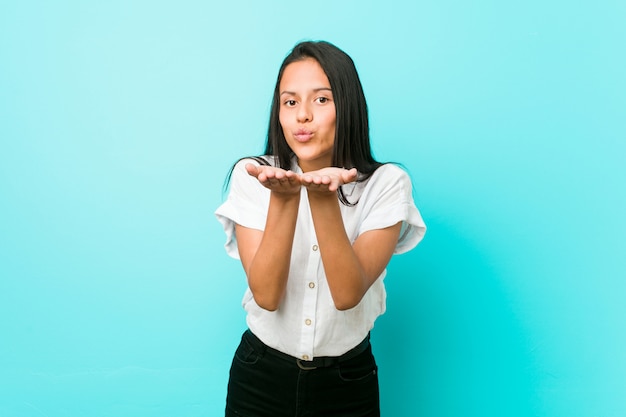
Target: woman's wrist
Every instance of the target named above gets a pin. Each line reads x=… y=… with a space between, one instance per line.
x=285 y=197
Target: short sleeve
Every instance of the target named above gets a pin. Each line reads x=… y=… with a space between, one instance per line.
x=388 y=199
x=245 y=205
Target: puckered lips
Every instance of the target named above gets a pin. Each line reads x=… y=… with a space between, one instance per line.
x=303 y=135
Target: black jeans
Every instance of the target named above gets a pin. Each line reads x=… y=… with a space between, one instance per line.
x=267 y=383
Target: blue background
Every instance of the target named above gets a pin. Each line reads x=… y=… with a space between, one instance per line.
x=120 y=119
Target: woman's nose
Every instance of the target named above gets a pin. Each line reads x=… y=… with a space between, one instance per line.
x=304 y=113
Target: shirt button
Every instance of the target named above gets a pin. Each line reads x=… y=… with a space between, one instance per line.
x=307 y=322
x=315 y=247
x=305 y=357
x=311 y=285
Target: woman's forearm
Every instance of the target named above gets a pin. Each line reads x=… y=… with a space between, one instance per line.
x=346 y=278
x=269 y=268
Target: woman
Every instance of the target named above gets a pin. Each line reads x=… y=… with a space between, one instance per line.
x=314 y=222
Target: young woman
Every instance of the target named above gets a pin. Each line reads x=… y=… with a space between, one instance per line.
x=314 y=222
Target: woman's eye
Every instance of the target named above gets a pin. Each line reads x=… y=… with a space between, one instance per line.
x=290 y=103
x=322 y=100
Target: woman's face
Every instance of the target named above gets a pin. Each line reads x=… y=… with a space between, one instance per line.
x=307 y=113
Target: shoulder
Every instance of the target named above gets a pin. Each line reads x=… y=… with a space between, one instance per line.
x=390 y=175
x=390 y=169
x=389 y=182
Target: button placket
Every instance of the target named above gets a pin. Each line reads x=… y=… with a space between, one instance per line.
x=309 y=288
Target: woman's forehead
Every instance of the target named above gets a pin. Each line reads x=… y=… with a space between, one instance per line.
x=303 y=75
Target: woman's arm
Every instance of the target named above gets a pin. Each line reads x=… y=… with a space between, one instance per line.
x=350 y=268
x=266 y=255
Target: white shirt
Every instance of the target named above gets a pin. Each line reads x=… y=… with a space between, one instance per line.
x=307 y=324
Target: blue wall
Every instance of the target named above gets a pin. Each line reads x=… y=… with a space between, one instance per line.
x=118 y=123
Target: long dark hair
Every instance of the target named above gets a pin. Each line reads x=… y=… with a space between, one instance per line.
x=352 y=140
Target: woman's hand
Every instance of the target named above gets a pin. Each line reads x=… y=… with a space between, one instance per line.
x=275 y=179
x=328 y=179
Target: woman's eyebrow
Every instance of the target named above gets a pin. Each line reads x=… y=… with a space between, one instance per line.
x=316 y=90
